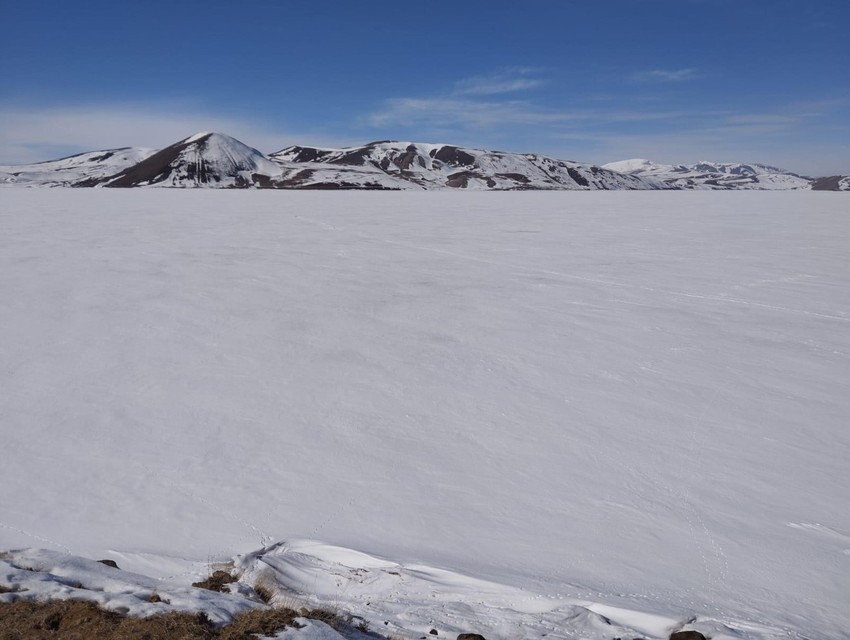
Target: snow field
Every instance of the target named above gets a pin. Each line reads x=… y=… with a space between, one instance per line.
x=613 y=401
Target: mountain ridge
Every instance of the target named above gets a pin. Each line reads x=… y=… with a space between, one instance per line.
x=216 y=160
x=403 y=164
x=706 y=174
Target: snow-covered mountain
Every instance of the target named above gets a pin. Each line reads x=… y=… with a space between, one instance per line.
x=712 y=175
x=218 y=160
x=202 y=160
x=413 y=165
x=81 y=170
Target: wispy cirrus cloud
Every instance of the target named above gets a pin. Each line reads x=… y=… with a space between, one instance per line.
x=509 y=80
x=664 y=75
x=465 y=112
x=480 y=102
x=483 y=114
x=485 y=102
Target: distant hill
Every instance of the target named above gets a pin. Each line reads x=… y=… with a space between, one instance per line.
x=713 y=175
x=83 y=169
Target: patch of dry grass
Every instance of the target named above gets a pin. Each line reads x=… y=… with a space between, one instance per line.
x=259 y=621
x=70 y=620
x=74 y=620
x=216 y=581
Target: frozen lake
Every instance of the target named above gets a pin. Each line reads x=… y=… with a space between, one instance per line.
x=634 y=397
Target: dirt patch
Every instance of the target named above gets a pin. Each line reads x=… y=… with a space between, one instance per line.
x=577 y=177
x=355 y=157
x=453 y=156
x=406 y=159
x=307 y=154
x=516 y=177
x=459 y=180
x=105 y=156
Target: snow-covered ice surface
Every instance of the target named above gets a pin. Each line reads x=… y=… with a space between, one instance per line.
x=581 y=414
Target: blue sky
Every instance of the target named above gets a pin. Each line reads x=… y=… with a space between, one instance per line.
x=673 y=81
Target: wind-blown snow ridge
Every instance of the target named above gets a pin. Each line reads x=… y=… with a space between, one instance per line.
x=400 y=599
x=198 y=136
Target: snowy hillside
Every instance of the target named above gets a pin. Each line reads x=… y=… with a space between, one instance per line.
x=712 y=175
x=832 y=183
x=204 y=159
x=585 y=415
x=410 y=165
x=84 y=169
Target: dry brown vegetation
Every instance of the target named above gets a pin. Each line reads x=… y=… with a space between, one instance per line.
x=216 y=581
x=74 y=620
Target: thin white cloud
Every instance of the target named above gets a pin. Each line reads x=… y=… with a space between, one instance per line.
x=481 y=114
x=762 y=119
x=510 y=80
x=36 y=134
x=480 y=102
x=664 y=75
x=465 y=112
